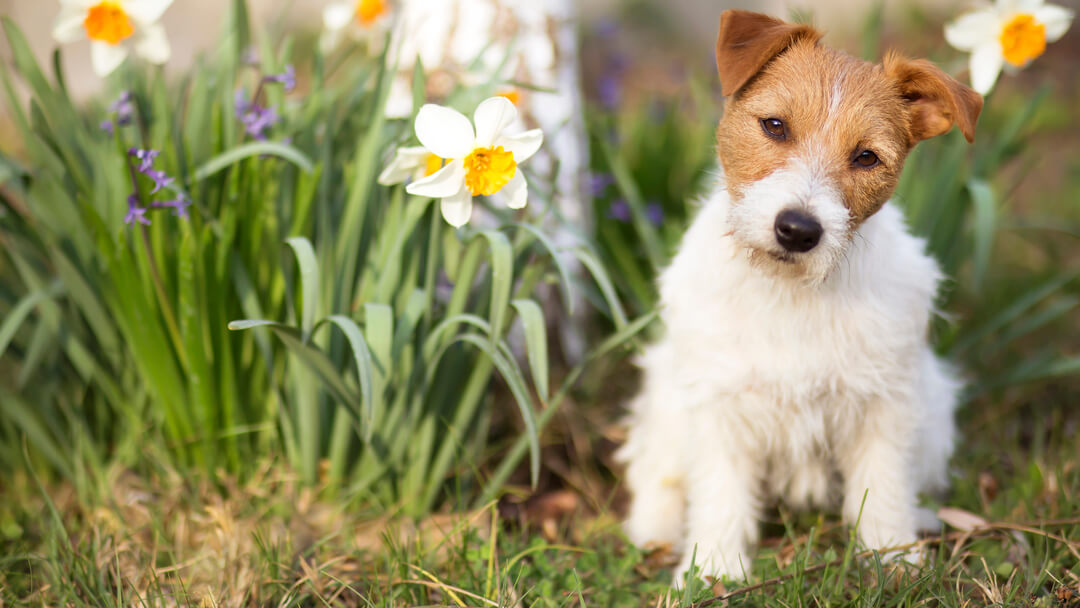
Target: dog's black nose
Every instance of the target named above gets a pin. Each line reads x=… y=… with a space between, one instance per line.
x=797 y=231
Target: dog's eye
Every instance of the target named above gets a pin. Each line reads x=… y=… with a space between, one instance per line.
x=866 y=159
x=774 y=127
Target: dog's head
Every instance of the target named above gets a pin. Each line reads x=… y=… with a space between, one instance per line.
x=812 y=140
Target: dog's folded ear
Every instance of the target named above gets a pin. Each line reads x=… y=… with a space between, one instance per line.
x=747 y=41
x=937 y=100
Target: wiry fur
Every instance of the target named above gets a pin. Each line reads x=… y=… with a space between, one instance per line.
x=804 y=377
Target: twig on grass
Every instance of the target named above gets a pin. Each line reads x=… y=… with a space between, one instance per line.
x=1028 y=527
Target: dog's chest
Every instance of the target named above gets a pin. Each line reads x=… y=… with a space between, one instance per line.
x=790 y=350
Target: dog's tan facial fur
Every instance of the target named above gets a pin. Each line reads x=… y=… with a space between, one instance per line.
x=833 y=107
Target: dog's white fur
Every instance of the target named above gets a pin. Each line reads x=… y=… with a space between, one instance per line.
x=801 y=378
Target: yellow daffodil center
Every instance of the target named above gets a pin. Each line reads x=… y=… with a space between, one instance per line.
x=487 y=170
x=1022 y=39
x=107 y=22
x=432 y=164
x=512 y=94
x=367 y=11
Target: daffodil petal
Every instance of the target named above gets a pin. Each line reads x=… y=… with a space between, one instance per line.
x=405 y=163
x=444 y=131
x=1057 y=20
x=1024 y=6
x=146 y=11
x=154 y=46
x=492 y=116
x=448 y=181
x=69 y=25
x=457 y=209
x=516 y=191
x=986 y=62
x=105 y=57
x=972 y=29
x=522 y=145
x=338 y=15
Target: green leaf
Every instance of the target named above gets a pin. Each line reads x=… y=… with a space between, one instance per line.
x=309 y=282
x=21 y=311
x=618 y=315
x=502 y=278
x=256 y=148
x=985 y=207
x=532 y=318
x=362 y=357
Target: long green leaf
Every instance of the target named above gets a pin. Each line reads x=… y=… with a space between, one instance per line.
x=256 y=148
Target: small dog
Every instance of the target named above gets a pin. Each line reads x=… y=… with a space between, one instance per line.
x=795 y=364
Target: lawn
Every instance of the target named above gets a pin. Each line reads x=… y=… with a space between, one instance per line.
x=239 y=366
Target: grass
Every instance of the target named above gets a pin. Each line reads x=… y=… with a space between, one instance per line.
x=167 y=540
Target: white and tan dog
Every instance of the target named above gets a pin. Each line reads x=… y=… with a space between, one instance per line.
x=795 y=364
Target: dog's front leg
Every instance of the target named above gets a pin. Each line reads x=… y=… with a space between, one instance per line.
x=722 y=511
x=878 y=490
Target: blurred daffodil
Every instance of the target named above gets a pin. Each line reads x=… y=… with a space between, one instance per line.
x=1008 y=34
x=110 y=25
x=359 y=19
x=479 y=162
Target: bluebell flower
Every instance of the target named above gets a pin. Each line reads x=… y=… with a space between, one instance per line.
x=145 y=158
x=287 y=78
x=135 y=213
x=255 y=118
x=619 y=210
x=599 y=182
x=179 y=206
x=654 y=212
x=123 y=109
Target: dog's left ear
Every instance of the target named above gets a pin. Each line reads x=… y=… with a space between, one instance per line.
x=747 y=41
x=937 y=100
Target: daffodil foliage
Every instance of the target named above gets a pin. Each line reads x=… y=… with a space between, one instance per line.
x=209 y=267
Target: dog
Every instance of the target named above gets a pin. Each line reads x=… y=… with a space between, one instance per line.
x=795 y=364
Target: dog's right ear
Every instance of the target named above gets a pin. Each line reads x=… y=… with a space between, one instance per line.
x=747 y=41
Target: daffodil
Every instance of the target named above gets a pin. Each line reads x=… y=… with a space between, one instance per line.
x=358 y=19
x=1009 y=34
x=111 y=25
x=479 y=162
x=410 y=163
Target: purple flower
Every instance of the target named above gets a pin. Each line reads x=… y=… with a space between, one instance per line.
x=258 y=119
x=145 y=158
x=287 y=78
x=255 y=118
x=240 y=102
x=654 y=213
x=599 y=182
x=609 y=91
x=179 y=206
x=619 y=210
x=160 y=179
x=123 y=109
x=135 y=213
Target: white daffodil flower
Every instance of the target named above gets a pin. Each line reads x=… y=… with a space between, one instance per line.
x=1008 y=34
x=362 y=20
x=480 y=162
x=109 y=24
x=410 y=163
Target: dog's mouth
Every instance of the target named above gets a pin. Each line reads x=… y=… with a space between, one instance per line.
x=786 y=258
